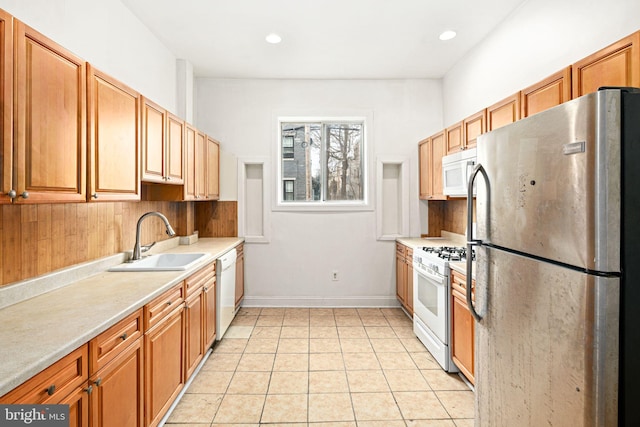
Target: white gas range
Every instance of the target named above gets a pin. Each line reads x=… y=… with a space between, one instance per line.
x=431 y=299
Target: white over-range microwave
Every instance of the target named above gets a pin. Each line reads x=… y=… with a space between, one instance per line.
x=456 y=169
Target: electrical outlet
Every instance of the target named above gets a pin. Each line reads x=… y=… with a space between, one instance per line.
x=334 y=275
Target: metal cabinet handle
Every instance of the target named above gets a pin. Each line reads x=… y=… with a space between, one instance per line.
x=98 y=382
x=24 y=195
x=94 y=195
x=123 y=336
x=168 y=303
x=12 y=194
x=51 y=389
x=89 y=389
x=471 y=242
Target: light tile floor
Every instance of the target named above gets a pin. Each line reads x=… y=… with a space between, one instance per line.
x=323 y=367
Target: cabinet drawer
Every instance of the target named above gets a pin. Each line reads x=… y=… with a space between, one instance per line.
x=107 y=345
x=240 y=249
x=157 y=309
x=459 y=284
x=54 y=383
x=199 y=278
x=409 y=255
x=401 y=249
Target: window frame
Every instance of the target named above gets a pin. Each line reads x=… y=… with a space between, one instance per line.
x=366 y=204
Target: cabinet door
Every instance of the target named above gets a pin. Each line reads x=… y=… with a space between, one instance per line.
x=424 y=149
x=114 y=139
x=153 y=140
x=438 y=146
x=503 y=112
x=209 y=294
x=474 y=126
x=462 y=342
x=50 y=120
x=78 y=402
x=552 y=91
x=239 y=275
x=194 y=336
x=462 y=327
x=6 y=104
x=201 y=166
x=163 y=366
x=615 y=65
x=455 y=142
x=117 y=398
x=175 y=161
x=409 y=262
x=401 y=282
x=190 y=155
x=213 y=169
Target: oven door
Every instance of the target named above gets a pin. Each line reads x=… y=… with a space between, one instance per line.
x=430 y=301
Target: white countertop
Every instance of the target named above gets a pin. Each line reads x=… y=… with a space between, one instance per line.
x=40 y=330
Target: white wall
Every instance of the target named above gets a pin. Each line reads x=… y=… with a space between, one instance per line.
x=538 y=39
x=106 y=34
x=295 y=266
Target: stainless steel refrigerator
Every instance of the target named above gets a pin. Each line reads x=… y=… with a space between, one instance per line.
x=558 y=262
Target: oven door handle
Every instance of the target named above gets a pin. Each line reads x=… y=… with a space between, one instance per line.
x=471 y=242
x=440 y=280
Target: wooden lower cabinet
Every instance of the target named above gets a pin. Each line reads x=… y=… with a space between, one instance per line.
x=194 y=334
x=78 y=402
x=239 y=274
x=117 y=398
x=463 y=328
x=64 y=382
x=209 y=295
x=163 y=363
x=130 y=374
x=404 y=277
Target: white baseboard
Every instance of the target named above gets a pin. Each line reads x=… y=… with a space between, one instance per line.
x=385 y=302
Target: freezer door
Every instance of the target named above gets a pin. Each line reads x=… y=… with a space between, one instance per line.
x=547 y=346
x=554 y=184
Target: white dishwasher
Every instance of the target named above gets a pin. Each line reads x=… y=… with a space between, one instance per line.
x=225 y=292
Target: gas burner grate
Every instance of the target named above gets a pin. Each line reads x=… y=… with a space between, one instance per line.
x=450 y=253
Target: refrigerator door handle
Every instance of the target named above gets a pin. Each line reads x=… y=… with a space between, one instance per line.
x=471 y=242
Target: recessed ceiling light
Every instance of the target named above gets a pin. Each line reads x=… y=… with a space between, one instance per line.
x=447 y=35
x=273 y=38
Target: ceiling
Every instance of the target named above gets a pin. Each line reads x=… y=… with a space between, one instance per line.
x=321 y=39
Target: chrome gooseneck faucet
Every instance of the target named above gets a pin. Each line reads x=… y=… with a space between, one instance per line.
x=137 y=250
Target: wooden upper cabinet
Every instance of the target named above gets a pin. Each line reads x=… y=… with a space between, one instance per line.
x=455 y=141
x=424 y=152
x=503 y=112
x=6 y=104
x=190 y=162
x=431 y=151
x=50 y=120
x=438 y=150
x=200 y=163
x=174 y=162
x=114 y=139
x=615 y=65
x=474 y=126
x=552 y=91
x=213 y=169
x=154 y=119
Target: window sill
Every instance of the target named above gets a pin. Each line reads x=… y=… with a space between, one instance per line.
x=323 y=207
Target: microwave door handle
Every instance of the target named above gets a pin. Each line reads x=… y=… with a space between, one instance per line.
x=471 y=242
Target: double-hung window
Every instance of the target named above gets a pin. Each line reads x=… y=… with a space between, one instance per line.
x=322 y=163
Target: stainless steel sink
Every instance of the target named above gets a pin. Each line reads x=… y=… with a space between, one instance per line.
x=161 y=262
